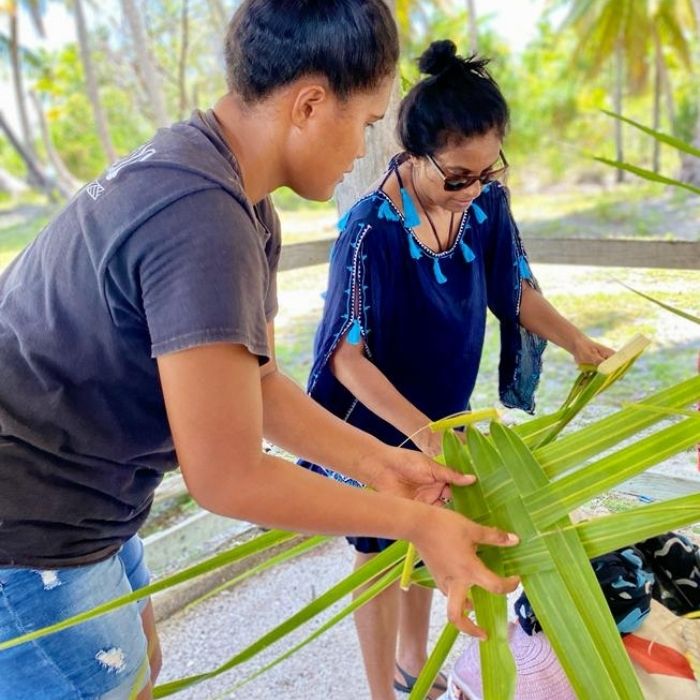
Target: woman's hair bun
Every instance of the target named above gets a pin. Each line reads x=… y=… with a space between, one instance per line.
x=437 y=57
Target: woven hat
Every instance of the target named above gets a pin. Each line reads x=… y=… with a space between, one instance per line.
x=540 y=675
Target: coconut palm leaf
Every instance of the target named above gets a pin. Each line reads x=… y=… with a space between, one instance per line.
x=303 y=547
x=390 y=559
x=676 y=143
x=522 y=488
x=668 y=307
x=524 y=493
x=435 y=662
x=566 y=452
x=257 y=545
x=373 y=589
x=648 y=174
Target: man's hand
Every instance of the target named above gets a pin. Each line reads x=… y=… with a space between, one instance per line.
x=447 y=544
x=413 y=475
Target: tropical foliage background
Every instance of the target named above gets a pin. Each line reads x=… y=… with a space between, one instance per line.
x=129 y=67
x=135 y=66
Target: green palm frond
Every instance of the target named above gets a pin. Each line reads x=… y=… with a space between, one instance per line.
x=527 y=483
x=386 y=564
x=260 y=544
x=518 y=494
x=672 y=32
x=669 y=140
x=674 y=310
x=647 y=174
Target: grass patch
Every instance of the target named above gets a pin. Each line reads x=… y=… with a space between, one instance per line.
x=629 y=211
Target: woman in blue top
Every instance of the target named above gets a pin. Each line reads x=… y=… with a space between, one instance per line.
x=418 y=262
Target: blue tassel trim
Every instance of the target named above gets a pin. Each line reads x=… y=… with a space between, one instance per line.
x=355 y=333
x=386 y=211
x=410 y=215
x=343 y=220
x=414 y=248
x=479 y=213
x=525 y=272
x=467 y=252
x=438 y=272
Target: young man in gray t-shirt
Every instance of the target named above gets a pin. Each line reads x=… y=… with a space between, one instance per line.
x=137 y=333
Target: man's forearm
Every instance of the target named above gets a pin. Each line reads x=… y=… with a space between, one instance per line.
x=295 y=422
x=277 y=494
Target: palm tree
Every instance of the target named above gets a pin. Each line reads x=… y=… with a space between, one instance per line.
x=381 y=143
x=626 y=31
x=35 y=10
x=182 y=64
x=91 y=80
x=35 y=176
x=147 y=62
x=690 y=166
x=666 y=24
x=218 y=13
x=473 y=28
x=66 y=182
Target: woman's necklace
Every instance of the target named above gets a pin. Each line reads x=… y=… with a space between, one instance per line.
x=430 y=219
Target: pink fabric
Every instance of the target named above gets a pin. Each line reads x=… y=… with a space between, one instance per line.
x=540 y=675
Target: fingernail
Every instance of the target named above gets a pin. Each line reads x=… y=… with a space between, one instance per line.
x=513 y=538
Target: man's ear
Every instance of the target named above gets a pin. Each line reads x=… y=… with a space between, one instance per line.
x=309 y=99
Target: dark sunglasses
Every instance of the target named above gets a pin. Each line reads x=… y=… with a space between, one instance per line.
x=454 y=183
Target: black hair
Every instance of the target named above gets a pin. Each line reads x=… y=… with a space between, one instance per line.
x=270 y=43
x=459 y=99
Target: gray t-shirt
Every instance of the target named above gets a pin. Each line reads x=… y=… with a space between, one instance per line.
x=163 y=252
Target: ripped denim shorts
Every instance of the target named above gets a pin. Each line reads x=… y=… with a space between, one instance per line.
x=104 y=658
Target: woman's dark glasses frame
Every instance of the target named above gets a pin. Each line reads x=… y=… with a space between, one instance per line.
x=455 y=183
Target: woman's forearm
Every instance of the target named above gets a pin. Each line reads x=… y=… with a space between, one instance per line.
x=369 y=385
x=538 y=316
x=295 y=422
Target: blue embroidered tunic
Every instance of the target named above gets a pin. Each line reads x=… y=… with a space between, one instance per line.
x=422 y=315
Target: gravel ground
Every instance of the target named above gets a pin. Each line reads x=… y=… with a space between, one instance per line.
x=201 y=638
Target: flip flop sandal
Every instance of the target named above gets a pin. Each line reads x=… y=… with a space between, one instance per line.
x=409 y=681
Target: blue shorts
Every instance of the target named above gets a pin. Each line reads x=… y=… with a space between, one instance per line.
x=104 y=658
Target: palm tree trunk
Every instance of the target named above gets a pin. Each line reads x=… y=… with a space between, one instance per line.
x=184 y=45
x=656 y=117
x=473 y=29
x=18 y=84
x=147 y=62
x=690 y=166
x=381 y=145
x=219 y=14
x=668 y=96
x=91 y=82
x=617 y=108
x=36 y=175
x=67 y=183
x=11 y=185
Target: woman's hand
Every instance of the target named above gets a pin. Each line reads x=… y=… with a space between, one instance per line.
x=452 y=560
x=587 y=352
x=540 y=317
x=428 y=442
